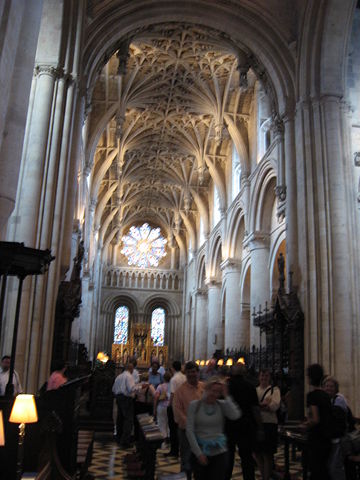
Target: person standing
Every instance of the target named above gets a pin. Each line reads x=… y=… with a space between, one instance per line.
x=245 y=431
x=124 y=390
x=336 y=461
x=4 y=377
x=269 y=401
x=318 y=425
x=57 y=377
x=190 y=390
x=176 y=381
x=205 y=430
x=155 y=377
x=161 y=403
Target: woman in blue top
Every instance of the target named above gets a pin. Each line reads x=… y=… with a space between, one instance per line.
x=205 y=430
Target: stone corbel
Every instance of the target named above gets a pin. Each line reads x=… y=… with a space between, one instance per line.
x=201 y=292
x=280 y=192
x=357 y=159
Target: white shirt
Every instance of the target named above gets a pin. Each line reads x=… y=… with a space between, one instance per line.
x=136 y=376
x=176 y=381
x=4 y=378
x=124 y=384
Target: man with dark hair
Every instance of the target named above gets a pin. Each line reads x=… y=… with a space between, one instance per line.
x=244 y=432
x=176 y=381
x=190 y=390
x=318 y=424
x=4 y=377
x=124 y=390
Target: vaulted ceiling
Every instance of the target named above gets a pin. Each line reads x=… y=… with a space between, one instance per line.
x=165 y=110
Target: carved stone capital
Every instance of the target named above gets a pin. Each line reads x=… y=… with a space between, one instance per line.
x=230 y=265
x=201 y=292
x=212 y=282
x=56 y=72
x=257 y=240
x=277 y=125
x=280 y=192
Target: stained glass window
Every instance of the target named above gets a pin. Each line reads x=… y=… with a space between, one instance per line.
x=158 y=327
x=121 y=325
x=144 y=246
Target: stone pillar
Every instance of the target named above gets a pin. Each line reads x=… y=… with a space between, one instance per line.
x=260 y=278
x=328 y=242
x=234 y=336
x=216 y=328
x=20 y=23
x=201 y=324
x=291 y=203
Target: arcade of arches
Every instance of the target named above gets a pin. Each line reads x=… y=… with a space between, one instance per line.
x=232 y=126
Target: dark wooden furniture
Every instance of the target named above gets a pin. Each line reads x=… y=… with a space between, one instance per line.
x=150 y=440
x=291 y=436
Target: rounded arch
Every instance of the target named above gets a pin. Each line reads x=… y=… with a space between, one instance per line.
x=201 y=273
x=215 y=256
x=259 y=35
x=262 y=197
x=236 y=231
x=170 y=307
x=112 y=302
x=323 y=47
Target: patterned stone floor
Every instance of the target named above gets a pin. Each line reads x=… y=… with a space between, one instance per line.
x=107 y=462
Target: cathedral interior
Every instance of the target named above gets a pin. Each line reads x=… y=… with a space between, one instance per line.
x=193 y=167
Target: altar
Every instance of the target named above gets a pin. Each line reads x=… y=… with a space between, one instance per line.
x=140 y=346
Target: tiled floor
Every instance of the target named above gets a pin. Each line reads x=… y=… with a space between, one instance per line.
x=107 y=462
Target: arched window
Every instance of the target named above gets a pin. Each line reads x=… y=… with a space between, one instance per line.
x=158 y=327
x=121 y=326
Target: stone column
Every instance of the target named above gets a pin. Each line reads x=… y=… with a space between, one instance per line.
x=234 y=336
x=20 y=23
x=328 y=242
x=216 y=328
x=260 y=277
x=201 y=324
x=291 y=203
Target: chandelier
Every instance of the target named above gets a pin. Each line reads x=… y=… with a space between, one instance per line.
x=144 y=246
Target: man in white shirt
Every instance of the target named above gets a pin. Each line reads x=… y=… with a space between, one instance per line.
x=176 y=381
x=4 y=377
x=124 y=390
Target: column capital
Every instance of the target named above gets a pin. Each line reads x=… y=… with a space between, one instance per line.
x=212 y=282
x=201 y=292
x=230 y=264
x=52 y=70
x=257 y=240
